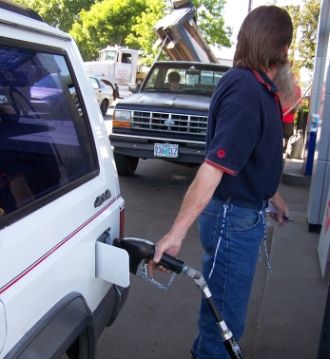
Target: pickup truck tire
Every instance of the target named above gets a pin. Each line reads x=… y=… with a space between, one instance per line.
x=126 y=165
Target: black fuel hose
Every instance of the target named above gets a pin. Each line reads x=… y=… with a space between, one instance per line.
x=139 y=250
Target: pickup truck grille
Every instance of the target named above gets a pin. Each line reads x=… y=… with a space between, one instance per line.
x=169 y=122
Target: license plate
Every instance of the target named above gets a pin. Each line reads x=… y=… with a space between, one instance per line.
x=168 y=150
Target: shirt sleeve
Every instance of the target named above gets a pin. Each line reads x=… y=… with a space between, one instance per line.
x=235 y=135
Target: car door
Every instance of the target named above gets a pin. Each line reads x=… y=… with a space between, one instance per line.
x=59 y=191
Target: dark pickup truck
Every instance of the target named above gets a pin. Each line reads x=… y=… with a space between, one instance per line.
x=165 y=121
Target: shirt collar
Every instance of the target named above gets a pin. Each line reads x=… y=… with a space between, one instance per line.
x=266 y=81
x=270 y=86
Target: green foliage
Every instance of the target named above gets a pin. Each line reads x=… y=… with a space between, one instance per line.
x=108 y=22
x=309 y=22
x=305 y=22
x=294 y=12
x=211 y=22
x=94 y=24
x=143 y=35
x=59 y=13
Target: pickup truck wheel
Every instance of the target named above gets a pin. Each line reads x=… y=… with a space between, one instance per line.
x=104 y=107
x=126 y=165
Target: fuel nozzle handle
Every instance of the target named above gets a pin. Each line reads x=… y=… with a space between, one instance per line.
x=140 y=249
x=171 y=263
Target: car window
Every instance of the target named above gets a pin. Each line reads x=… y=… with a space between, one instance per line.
x=94 y=83
x=108 y=55
x=192 y=79
x=126 y=58
x=46 y=146
x=155 y=80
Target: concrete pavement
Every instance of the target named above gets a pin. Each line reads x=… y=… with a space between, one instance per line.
x=287 y=305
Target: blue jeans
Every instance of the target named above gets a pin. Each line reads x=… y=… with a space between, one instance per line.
x=230 y=237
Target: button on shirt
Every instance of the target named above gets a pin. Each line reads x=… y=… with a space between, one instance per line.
x=244 y=136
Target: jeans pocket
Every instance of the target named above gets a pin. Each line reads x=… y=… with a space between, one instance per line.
x=210 y=221
x=243 y=219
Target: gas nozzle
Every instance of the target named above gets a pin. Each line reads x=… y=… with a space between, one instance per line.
x=140 y=252
x=141 y=249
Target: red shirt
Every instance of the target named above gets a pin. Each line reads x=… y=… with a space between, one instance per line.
x=289 y=117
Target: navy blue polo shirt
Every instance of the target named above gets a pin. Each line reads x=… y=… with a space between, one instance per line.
x=244 y=136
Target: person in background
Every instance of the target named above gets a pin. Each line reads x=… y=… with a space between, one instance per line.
x=289 y=100
x=174 y=80
x=240 y=174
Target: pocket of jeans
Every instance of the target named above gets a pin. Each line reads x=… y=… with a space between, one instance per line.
x=243 y=219
x=209 y=222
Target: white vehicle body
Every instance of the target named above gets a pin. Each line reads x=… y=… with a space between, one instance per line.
x=118 y=64
x=50 y=294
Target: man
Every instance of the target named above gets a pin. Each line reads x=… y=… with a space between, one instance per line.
x=290 y=105
x=241 y=172
x=174 y=80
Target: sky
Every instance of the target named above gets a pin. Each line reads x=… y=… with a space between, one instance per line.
x=235 y=12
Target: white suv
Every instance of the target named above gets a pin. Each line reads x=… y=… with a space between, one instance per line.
x=60 y=203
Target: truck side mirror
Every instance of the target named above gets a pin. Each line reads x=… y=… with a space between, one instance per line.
x=134 y=88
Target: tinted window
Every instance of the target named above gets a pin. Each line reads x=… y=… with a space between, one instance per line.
x=126 y=58
x=45 y=142
x=193 y=79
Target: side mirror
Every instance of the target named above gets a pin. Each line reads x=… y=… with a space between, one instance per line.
x=134 y=88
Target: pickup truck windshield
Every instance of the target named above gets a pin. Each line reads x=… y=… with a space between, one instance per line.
x=190 y=79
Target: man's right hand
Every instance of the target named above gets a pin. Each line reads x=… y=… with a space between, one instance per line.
x=170 y=244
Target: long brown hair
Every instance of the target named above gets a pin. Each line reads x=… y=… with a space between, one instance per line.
x=262 y=38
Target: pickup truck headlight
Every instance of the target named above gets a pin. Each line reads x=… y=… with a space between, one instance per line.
x=121 y=118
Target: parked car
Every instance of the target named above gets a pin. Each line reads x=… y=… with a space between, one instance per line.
x=61 y=280
x=105 y=92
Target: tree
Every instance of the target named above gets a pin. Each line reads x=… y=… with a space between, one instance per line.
x=143 y=35
x=294 y=11
x=95 y=24
x=108 y=22
x=309 y=22
x=59 y=13
x=305 y=22
x=211 y=22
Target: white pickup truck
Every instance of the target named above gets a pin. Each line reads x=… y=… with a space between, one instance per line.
x=61 y=280
x=119 y=65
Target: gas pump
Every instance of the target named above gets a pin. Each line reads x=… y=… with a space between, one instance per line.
x=317 y=162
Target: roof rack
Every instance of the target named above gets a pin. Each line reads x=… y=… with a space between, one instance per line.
x=19 y=9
